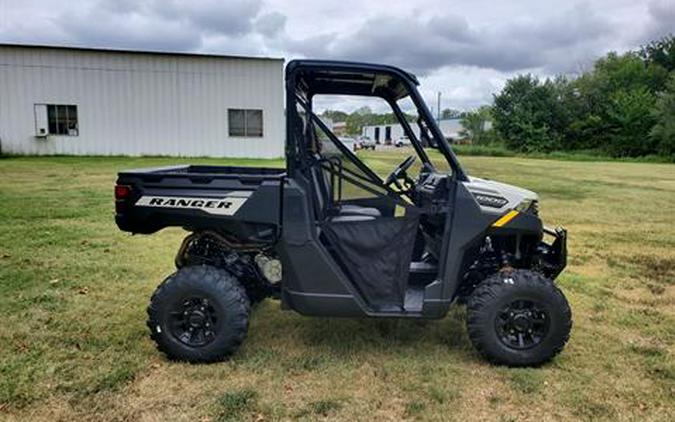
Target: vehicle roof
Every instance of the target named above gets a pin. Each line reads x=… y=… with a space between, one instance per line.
x=350 y=78
x=340 y=64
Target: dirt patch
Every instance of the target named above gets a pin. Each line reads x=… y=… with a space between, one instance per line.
x=657 y=269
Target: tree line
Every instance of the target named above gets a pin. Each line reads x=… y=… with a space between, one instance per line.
x=363 y=116
x=624 y=106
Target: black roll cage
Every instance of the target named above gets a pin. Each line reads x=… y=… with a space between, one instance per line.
x=328 y=77
x=374 y=177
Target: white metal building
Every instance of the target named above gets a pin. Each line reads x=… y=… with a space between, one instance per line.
x=60 y=100
x=451 y=129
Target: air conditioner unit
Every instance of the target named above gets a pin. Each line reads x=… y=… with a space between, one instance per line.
x=41 y=121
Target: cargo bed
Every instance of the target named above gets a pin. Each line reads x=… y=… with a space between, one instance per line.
x=245 y=201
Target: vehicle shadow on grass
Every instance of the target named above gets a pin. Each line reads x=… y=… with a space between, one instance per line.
x=358 y=338
x=291 y=343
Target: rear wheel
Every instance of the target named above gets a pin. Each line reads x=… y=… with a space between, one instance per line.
x=519 y=318
x=199 y=314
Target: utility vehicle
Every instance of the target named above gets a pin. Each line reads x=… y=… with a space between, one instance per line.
x=328 y=237
x=367 y=143
x=402 y=141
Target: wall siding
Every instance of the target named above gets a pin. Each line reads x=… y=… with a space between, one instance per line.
x=139 y=104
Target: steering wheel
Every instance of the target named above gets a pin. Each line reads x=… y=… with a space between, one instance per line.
x=400 y=172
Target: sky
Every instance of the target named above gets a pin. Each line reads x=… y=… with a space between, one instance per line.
x=464 y=49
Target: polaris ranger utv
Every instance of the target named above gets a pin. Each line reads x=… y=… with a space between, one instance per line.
x=328 y=237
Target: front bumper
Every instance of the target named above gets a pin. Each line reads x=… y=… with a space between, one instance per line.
x=552 y=258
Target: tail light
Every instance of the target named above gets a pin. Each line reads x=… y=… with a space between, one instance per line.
x=122 y=192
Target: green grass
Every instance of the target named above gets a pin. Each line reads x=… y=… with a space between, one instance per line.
x=232 y=405
x=73 y=292
x=499 y=150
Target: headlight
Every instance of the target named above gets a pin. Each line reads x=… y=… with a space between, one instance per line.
x=529 y=206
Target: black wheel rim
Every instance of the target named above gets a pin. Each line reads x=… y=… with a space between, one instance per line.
x=522 y=324
x=194 y=321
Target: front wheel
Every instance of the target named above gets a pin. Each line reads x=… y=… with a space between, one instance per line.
x=199 y=314
x=518 y=318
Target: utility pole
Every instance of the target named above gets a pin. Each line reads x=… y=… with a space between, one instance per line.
x=438 y=108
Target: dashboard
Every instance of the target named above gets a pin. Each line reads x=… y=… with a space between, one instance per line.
x=431 y=189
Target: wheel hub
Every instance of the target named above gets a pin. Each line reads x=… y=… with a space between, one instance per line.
x=522 y=324
x=193 y=322
x=196 y=319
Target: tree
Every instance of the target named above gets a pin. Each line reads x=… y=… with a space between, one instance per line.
x=623 y=106
x=609 y=107
x=630 y=119
x=525 y=112
x=357 y=119
x=450 y=113
x=614 y=72
x=335 y=115
x=663 y=132
x=660 y=52
x=363 y=111
x=364 y=116
x=475 y=123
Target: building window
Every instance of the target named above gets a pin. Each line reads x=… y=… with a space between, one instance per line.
x=248 y=123
x=62 y=120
